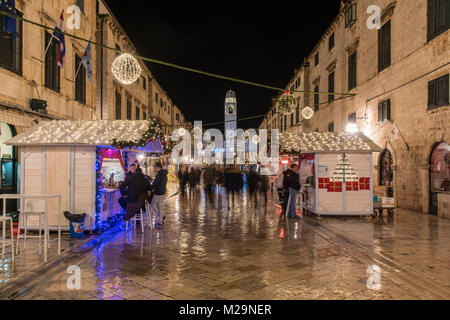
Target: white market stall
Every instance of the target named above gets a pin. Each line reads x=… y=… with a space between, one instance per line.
x=77 y=160
x=336 y=171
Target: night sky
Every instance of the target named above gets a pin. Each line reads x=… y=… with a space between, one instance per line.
x=251 y=40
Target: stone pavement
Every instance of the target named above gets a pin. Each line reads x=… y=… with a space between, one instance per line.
x=214 y=248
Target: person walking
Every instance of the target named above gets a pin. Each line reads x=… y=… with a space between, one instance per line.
x=158 y=190
x=183 y=179
x=192 y=180
x=253 y=181
x=265 y=186
x=138 y=188
x=291 y=185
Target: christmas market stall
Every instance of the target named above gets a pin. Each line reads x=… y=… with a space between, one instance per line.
x=84 y=161
x=336 y=171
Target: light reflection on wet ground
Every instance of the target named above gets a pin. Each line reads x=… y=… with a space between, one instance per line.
x=216 y=247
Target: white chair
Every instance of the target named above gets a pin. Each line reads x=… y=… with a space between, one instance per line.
x=4 y=241
x=33 y=208
x=149 y=213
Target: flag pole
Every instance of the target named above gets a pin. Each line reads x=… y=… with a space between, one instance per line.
x=48 y=46
x=78 y=70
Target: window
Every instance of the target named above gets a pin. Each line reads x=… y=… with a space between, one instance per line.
x=331 y=42
x=285 y=122
x=144 y=83
x=156 y=97
x=350 y=15
x=384 y=111
x=352 y=118
x=144 y=116
x=118 y=48
x=11 y=48
x=331 y=87
x=52 y=70
x=331 y=127
x=161 y=102
x=80 y=4
x=138 y=113
x=316 y=130
x=177 y=117
x=316 y=99
x=438 y=92
x=292 y=88
x=118 y=105
x=438 y=17
x=297 y=114
x=297 y=83
x=292 y=119
x=129 y=117
x=316 y=59
x=439 y=168
x=80 y=81
x=352 y=63
x=281 y=124
x=384 y=46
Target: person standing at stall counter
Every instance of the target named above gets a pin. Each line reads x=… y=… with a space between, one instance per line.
x=158 y=188
x=291 y=185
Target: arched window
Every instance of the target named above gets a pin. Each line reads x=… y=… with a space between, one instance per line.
x=440 y=168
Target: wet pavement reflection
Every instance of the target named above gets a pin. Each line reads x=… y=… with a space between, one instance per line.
x=216 y=246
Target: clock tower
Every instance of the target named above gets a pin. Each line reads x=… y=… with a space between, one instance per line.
x=230 y=111
x=230 y=125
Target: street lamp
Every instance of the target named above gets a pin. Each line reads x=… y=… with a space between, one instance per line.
x=352 y=127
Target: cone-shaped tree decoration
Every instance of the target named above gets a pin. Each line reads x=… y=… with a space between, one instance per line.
x=344 y=172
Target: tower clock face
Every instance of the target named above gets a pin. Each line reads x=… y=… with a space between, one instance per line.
x=230 y=109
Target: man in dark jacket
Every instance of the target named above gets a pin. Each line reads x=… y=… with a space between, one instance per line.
x=158 y=189
x=291 y=186
x=137 y=193
x=253 y=182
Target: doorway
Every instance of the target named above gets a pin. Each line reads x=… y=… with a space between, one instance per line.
x=439 y=174
x=8 y=166
x=386 y=171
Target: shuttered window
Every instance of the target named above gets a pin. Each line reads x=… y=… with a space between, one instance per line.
x=331 y=87
x=384 y=46
x=316 y=59
x=384 y=111
x=350 y=15
x=438 y=17
x=156 y=97
x=52 y=70
x=316 y=99
x=80 y=81
x=285 y=122
x=297 y=113
x=118 y=106
x=331 y=42
x=144 y=117
x=11 y=48
x=138 y=113
x=129 y=117
x=80 y=4
x=438 y=92
x=352 y=64
x=292 y=119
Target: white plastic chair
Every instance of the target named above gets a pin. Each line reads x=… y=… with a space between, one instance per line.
x=143 y=217
x=33 y=208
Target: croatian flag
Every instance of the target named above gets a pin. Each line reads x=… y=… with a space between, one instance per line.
x=86 y=60
x=9 y=6
x=62 y=40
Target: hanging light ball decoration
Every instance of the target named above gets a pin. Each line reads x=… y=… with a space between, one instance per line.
x=307 y=113
x=126 y=69
x=287 y=103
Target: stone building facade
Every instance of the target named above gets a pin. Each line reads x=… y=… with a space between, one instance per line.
x=33 y=88
x=399 y=75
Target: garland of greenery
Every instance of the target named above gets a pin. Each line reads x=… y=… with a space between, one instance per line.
x=154 y=132
x=286 y=103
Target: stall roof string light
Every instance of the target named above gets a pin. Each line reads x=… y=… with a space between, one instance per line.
x=168 y=64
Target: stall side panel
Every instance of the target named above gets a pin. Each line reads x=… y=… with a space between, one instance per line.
x=85 y=184
x=329 y=197
x=34 y=183
x=58 y=182
x=358 y=194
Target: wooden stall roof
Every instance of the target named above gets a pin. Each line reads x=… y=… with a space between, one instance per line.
x=326 y=142
x=80 y=132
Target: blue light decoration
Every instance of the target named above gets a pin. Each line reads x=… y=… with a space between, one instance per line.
x=102 y=226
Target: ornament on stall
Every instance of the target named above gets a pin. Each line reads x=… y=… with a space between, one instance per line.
x=344 y=171
x=154 y=132
x=307 y=113
x=126 y=69
x=287 y=103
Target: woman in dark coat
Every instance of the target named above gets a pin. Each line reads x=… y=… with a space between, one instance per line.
x=138 y=188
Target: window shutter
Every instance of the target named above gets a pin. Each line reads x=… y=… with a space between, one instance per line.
x=431 y=89
x=431 y=19
x=388 y=44
x=380 y=112
x=446 y=90
x=388 y=112
x=380 y=49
